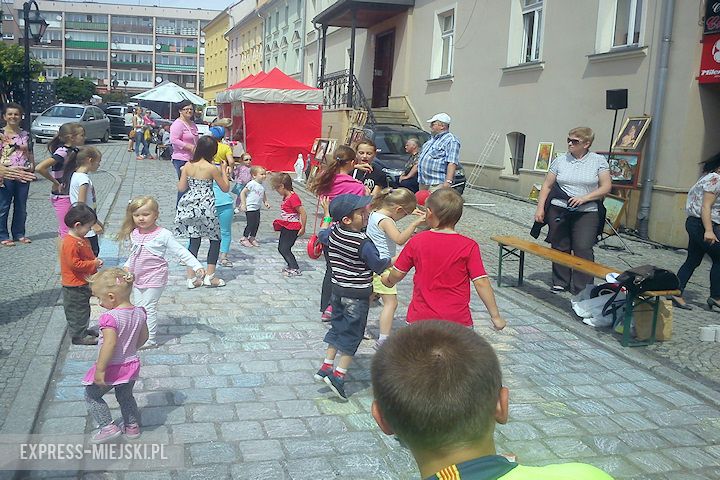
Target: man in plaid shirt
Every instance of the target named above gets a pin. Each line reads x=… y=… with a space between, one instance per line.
x=440 y=156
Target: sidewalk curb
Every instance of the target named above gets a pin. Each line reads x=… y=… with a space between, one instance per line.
x=25 y=409
x=655 y=366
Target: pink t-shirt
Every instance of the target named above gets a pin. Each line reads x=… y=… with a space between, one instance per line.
x=124 y=365
x=150 y=270
x=182 y=134
x=445 y=264
x=344 y=183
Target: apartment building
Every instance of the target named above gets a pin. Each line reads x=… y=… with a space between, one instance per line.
x=245 y=45
x=125 y=47
x=216 y=55
x=528 y=71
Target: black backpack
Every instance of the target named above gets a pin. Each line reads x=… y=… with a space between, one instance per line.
x=642 y=279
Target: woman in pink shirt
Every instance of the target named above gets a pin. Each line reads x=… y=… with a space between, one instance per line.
x=183 y=137
x=334 y=180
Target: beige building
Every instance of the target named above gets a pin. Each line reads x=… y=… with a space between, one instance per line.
x=245 y=45
x=528 y=71
x=216 y=55
x=126 y=47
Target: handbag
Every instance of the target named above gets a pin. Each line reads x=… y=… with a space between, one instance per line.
x=314 y=247
x=132 y=133
x=642 y=279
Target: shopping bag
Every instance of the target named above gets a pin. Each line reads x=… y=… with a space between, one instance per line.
x=643 y=315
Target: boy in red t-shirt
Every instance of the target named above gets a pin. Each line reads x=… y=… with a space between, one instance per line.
x=77 y=262
x=445 y=263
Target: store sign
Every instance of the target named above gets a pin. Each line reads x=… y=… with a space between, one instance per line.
x=712 y=17
x=710 y=60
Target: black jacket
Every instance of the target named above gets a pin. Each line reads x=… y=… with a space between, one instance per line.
x=557 y=192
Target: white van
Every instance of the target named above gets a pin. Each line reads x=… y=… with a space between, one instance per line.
x=210 y=113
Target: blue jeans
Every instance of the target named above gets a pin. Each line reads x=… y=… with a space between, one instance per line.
x=140 y=141
x=697 y=249
x=14 y=192
x=225 y=216
x=347 y=323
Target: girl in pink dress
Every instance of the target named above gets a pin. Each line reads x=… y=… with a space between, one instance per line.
x=122 y=331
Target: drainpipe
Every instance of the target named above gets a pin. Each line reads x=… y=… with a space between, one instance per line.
x=262 y=19
x=302 y=43
x=318 y=34
x=657 y=113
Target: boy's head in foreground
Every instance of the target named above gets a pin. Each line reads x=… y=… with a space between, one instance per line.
x=437 y=386
x=444 y=208
x=350 y=210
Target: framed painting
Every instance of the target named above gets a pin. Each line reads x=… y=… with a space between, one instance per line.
x=314 y=146
x=632 y=133
x=321 y=150
x=615 y=207
x=624 y=168
x=543 y=156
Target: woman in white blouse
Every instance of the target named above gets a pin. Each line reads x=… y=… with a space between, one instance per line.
x=703 y=228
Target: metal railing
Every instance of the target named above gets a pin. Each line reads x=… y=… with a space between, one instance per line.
x=336 y=86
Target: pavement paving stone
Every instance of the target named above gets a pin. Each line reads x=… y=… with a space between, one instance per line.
x=232 y=377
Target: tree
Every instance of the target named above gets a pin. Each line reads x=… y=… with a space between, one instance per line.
x=118 y=97
x=12 y=59
x=74 y=90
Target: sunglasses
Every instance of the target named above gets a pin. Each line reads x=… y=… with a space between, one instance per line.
x=573 y=141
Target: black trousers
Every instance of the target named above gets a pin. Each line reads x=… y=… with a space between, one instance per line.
x=253 y=223
x=697 y=249
x=572 y=232
x=285 y=244
x=213 y=251
x=94 y=244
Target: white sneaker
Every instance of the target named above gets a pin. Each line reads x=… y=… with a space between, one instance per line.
x=149 y=344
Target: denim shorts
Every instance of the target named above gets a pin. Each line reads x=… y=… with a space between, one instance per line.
x=348 y=321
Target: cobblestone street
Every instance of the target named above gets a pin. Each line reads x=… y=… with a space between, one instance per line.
x=232 y=379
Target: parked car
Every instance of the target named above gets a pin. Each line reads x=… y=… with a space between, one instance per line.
x=116 y=114
x=210 y=113
x=95 y=122
x=391 y=157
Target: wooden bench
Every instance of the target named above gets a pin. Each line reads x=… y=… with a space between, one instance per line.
x=517 y=247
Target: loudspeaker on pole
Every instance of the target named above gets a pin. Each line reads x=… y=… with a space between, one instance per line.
x=616 y=99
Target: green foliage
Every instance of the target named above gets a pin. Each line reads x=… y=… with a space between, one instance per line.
x=11 y=68
x=74 y=90
x=115 y=97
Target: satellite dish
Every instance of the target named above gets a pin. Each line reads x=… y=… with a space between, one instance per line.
x=202 y=40
x=113 y=55
x=58 y=18
x=158 y=79
x=158 y=46
x=67 y=36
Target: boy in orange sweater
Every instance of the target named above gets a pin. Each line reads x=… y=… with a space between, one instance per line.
x=77 y=262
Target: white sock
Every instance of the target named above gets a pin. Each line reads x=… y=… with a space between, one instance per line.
x=382 y=337
x=329 y=361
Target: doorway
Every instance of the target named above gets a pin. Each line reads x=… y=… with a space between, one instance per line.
x=382 y=69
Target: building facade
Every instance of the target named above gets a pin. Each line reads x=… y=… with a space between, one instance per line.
x=283 y=35
x=244 y=42
x=126 y=47
x=530 y=70
x=216 y=55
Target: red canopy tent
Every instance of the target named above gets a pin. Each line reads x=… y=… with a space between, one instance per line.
x=279 y=117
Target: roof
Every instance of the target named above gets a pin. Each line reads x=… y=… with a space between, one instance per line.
x=367 y=12
x=272 y=87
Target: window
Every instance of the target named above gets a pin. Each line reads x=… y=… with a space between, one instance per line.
x=532 y=30
x=8 y=36
x=8 y=18
x=627 y=23
x=514 y=152
x=442 y=59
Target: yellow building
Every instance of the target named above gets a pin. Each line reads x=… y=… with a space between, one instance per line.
x=216 y=56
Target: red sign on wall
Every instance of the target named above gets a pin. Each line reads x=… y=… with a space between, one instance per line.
x=710 y=60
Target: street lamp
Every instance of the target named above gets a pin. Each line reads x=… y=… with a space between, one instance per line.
x=125 y=83
x=114 y=82
x=36 y=27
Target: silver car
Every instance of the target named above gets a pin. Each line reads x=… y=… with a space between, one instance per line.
x=96 y=124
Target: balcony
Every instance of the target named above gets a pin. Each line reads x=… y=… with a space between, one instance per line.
x=132 y=47
x=86 y=45
x=176 y=68
x=119 y=28
x=174 y=49
x=187 y=32
x=98 y=27
x=130 y=65
x=72 y=62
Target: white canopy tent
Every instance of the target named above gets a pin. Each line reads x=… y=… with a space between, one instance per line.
x=169 y=92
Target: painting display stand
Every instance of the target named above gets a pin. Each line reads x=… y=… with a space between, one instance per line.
x=615 y=233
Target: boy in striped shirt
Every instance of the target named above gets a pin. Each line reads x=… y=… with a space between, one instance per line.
x=353 y=259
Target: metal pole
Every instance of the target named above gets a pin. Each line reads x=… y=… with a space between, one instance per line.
x=27 y=104
x=321 y=80
x=612 y=136
x=351 y=75
x=657 y=113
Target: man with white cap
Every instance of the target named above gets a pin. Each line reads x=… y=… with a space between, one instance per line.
x=440 y=156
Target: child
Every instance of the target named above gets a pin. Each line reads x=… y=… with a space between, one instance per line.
x=123 y=330
x=241 y=176
x=291 y=223
x=77 y=261
x=374 y=179
x=77 y=183
x=353 y=258
x=438 y=389
x=252 y=198
x=391 y=205
x=223 y=200
x=63 y=147
x=196 y=216
x=151 y=244
x=445 y=263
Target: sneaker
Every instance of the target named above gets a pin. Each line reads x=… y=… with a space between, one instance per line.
x=106 y=434
x=149 y=344
x=378 y=344
x=86 y=340
x=558 y=289
x=255 y=243
x=245 y=243
x=93 y=331
x=236 y=211
x=292 y=272
x=325 y=317
x=132 y=430
x=323 y=373
x=367 y=336
x=337 y=385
